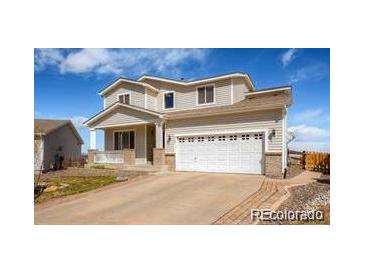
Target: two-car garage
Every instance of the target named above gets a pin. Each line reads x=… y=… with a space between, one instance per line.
x=225 y=152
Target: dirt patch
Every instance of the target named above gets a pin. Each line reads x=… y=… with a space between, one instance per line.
x=294 y=171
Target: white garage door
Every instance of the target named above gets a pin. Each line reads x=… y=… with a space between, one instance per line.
x=236 y=153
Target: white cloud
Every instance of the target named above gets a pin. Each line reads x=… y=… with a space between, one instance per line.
x=308 y=133
x=85 y=60
x=315 y=72
x=47 y=57
x=77 y=121
x=117 y=61
x=288 y=56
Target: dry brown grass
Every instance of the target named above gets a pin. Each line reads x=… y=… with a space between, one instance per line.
x=73 y=185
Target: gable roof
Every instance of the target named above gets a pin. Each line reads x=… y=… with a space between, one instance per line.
x=125 y=80
x=245 y=76
x=47 y=126
x=119 y=104
x=140 y=82
x=266 y=101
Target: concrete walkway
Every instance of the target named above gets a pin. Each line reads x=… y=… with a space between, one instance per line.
x=169 y=198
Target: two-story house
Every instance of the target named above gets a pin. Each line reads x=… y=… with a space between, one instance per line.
x=215 y=124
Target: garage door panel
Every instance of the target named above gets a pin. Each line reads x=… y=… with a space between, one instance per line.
x=236 y=153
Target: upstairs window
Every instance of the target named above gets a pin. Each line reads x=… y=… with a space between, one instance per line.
x=124 y=98
x=169 y=100
x=206 y=95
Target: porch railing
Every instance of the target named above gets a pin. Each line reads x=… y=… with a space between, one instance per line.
x=109 y=157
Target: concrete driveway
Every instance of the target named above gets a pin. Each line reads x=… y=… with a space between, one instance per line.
x=170 y=198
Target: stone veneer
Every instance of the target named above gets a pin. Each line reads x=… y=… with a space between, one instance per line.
x=170 y=161
x=273 y=165
x=91 y=155
x=129 y=156
x=158 y=157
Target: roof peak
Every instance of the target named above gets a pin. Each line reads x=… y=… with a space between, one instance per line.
x=183 y=80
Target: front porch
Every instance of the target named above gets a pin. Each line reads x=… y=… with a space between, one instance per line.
x=139 y=144
x=132 y=136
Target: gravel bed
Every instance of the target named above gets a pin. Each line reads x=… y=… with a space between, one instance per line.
x=314 y=196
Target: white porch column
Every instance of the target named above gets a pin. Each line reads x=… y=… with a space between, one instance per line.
x=92 y=138
x=159 y=133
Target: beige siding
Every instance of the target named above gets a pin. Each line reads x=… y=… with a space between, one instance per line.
x=122 y=115
x=151 y=100
x=186 y=96
x=239 y=89
x=140 y=141
x=137 y=94
x=64 y=136
x=235 y=122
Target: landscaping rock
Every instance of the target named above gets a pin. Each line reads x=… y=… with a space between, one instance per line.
x=51 y=189
x=121 y=179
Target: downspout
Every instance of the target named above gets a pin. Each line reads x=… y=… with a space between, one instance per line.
x=284 y=140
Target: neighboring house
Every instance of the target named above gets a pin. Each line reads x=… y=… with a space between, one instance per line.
x=216 y=124
x=52 y=137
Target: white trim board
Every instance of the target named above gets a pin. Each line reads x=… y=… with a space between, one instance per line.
x=231 y=91
x=266 y=91
x=117 y=82
x=125 y=125
x=216 y=78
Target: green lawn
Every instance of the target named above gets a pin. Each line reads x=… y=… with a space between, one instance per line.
x=72 y=185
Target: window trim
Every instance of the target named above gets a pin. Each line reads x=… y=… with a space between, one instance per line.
x=163 y=99
x=197 y=95
x=124 y=130
x=124 y=93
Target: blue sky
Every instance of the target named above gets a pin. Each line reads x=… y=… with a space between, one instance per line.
x=67 y=81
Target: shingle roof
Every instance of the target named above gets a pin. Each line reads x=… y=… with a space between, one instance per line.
x=46 y=126
x=248 y=104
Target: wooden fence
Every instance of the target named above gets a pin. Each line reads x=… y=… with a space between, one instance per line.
x=313 y=161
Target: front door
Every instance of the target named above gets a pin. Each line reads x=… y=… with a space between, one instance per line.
x=151 y=139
